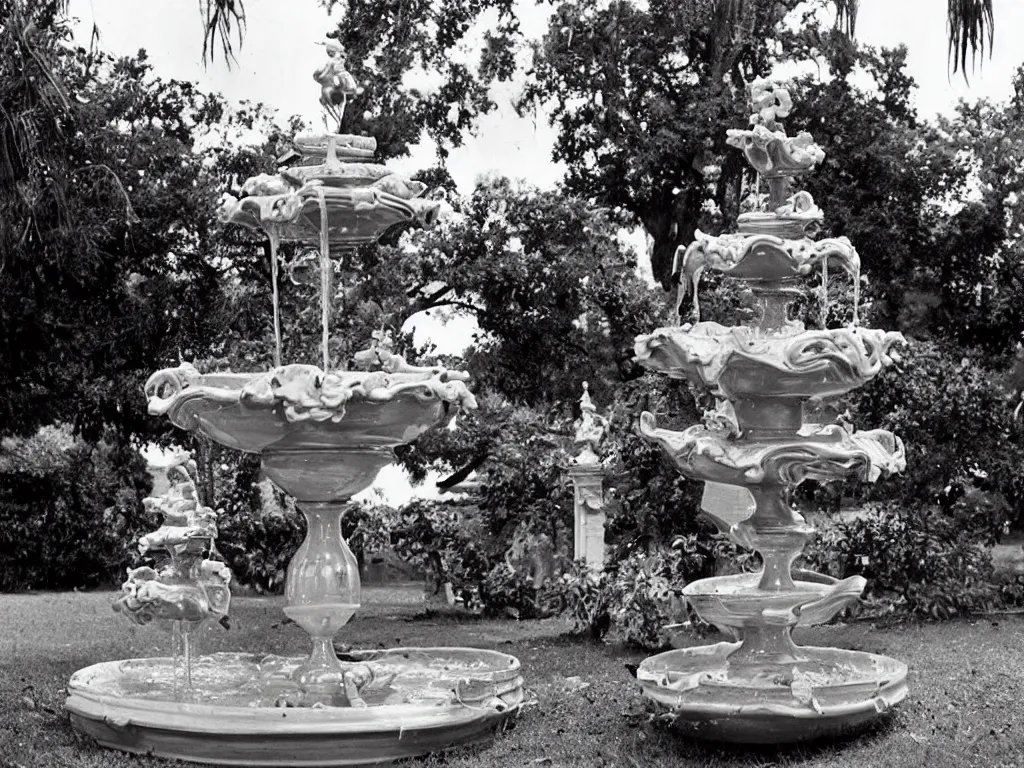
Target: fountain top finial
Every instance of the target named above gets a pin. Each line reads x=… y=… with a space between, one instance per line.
x=769 y=103
x=336 y=84
x=586 y=404
x=768 y=149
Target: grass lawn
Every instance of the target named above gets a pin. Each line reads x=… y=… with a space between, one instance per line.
x=966 y=682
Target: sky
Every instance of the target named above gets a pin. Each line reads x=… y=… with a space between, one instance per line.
x=279 y=54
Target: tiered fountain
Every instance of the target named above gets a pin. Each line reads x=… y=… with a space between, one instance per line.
x=764 y=688
x=322 y=436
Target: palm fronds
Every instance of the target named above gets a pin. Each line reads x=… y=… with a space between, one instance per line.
x=220 y=17
x=846 y=15
x=969 y=22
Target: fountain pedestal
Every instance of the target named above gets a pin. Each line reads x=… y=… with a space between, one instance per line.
x=322 y=588
x=587 y=475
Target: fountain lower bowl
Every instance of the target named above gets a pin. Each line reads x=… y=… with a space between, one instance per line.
x=438 y=698
x=827 y=453
x=736 y=601
x=824 y=693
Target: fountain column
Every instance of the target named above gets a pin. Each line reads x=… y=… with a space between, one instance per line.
x=587 y=475
x=322 y=591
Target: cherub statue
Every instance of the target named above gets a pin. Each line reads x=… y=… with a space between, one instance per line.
x=336 y=83
x=184 y=517
x=188 y=586
x=590 y=429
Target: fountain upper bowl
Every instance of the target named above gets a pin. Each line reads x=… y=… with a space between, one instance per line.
x=743 y=362
x=300 y=408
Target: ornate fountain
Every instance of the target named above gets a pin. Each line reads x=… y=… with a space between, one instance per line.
x=764 y=688
x=322 y=435
x=191 y=586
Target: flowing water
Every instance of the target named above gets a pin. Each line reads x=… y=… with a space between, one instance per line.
x=274 y=242
x=326 y=274
x=326 y=269
x=183 y=653
x=824 y=293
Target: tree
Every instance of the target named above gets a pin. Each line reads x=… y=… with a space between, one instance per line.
x=106 y=228
x=978 y=269
x=969 y=23
x=641 y=97
x=385 y=41
x=884 y=181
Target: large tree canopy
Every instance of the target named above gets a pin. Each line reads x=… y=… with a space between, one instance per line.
x=108 y=263
x=969 y=23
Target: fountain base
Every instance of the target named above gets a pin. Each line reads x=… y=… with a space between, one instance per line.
x=240 y=710
x=822 y=693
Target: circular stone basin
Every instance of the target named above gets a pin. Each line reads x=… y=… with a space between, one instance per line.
x=227 y=408
x=735 y=601
x=420 y=700
x=826 y=692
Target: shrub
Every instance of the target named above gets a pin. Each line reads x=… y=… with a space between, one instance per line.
x=639 y=598
x=509 y=591
x=918 y=557
x=586 y=599
x=448 y=541
x=955 y=421
x=259 y=527
x=70 y=513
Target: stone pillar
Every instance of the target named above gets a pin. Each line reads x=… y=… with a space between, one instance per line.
x=587 y=475
x=589 y=507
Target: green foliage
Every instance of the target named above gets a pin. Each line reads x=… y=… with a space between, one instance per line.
x=385 y=43
x=509 y=591
x=433 y=538
x=450 y=543
x=883 y=176
x=586 y=599
x=259 y=528
x=955 y=421
x=638 y=600
x=108 y=268
x=70 y=513
x=641 y=96
x=554 y=292
x=926 y=561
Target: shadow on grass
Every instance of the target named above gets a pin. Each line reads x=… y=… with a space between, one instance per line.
x=445 y=613
x=684 y=746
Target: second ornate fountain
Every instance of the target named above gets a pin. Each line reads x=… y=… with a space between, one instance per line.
x=322 y=435
x=764 y=688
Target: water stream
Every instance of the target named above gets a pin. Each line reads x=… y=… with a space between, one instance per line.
x=824 y=293
x=326 y=269
x=275 y=240
x=326 y=275
x=183 y=658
